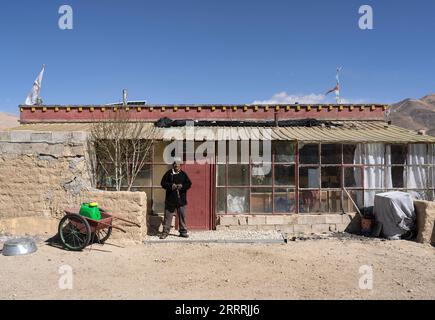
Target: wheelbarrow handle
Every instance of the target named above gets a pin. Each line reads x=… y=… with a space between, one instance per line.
x=114 y=216
x=114 y=227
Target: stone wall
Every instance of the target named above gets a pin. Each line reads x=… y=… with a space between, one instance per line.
x=292 y=224
x=43 y=173
x=425 y=212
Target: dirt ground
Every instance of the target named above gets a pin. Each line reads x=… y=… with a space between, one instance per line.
x=311 y=269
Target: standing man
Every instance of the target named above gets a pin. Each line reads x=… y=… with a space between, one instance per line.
x=176 y=183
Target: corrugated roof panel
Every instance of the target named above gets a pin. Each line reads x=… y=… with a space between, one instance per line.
x=349 y=131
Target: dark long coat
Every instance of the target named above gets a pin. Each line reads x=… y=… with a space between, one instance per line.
x=173 y=198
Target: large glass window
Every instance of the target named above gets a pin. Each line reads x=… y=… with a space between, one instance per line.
x=258 y=188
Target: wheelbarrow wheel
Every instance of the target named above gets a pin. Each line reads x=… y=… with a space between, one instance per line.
x=103 y=234
x=74 y=232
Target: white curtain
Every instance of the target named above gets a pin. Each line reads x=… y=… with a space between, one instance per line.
x=374 y=154
x=416 y=173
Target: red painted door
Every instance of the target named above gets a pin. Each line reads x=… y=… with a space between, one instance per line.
x=199 y=197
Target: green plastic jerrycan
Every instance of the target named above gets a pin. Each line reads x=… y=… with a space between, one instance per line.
x=90 y=210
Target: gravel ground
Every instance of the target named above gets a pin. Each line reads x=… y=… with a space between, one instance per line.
x=221 y=235
x=306 y=268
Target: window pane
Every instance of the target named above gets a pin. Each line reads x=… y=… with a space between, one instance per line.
x=417 y=177
x=309 y=201
x=284 y=175
x=220 y=200
x=309 y=154
x=356 y=196
x=158 y=173
x=331 y=153
x=369 y=197
x=349 y=154
x=353 y=177
x=158 y=200
x=374 y=177
x=143 y=178
x=309 y=178
x=284 y=151
x=398 y=153
x=238 y=174
x=331 y=201
x=397 y=177
x=331 y=177
x=261 y=200
x=285 y=200
x=238 y=151
x=262 y=175
x=261 y=151
x=220 y=171
x=238 y=200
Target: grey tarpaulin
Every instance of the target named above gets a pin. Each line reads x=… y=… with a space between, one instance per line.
x=394 y=211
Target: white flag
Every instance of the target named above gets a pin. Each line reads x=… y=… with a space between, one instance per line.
x=33 y=96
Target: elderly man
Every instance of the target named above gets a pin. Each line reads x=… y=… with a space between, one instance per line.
x=176 y=183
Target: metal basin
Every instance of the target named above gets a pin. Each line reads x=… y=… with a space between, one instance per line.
x=19 y=246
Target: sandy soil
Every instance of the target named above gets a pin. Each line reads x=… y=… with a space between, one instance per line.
x=312 y=269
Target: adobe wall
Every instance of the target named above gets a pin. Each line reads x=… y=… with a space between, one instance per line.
x=425 y=212
x=41 y=174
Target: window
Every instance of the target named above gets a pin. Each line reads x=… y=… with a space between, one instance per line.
x=284 y=175
x=238 y=200
x=257 y=188
x=353 y=177
x=261 y=200
x=331 y=177
x=238 y=174
x=331 y=153
x=309 y=177
x=284 y=151
x=284 y=200
x=309 y=154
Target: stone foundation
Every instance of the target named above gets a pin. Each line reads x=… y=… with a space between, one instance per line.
x=292 y=224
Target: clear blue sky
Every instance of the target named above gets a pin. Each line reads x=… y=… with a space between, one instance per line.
x=215 y=51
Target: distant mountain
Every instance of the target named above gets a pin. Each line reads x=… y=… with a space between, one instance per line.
x=8 y=120
x=415 y=114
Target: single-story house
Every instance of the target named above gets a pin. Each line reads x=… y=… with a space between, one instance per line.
x=311 y=162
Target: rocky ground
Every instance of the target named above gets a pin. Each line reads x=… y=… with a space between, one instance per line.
x=317 y=267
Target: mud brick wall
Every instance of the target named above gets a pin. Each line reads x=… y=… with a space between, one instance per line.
x=43 y=173
x=425 y=212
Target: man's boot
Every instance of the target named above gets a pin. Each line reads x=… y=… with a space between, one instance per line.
x=164 y=235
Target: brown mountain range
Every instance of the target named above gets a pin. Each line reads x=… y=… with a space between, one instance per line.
x=415 y=114
x=8 y=120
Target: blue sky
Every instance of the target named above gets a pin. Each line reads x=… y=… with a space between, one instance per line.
x=216 y=51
